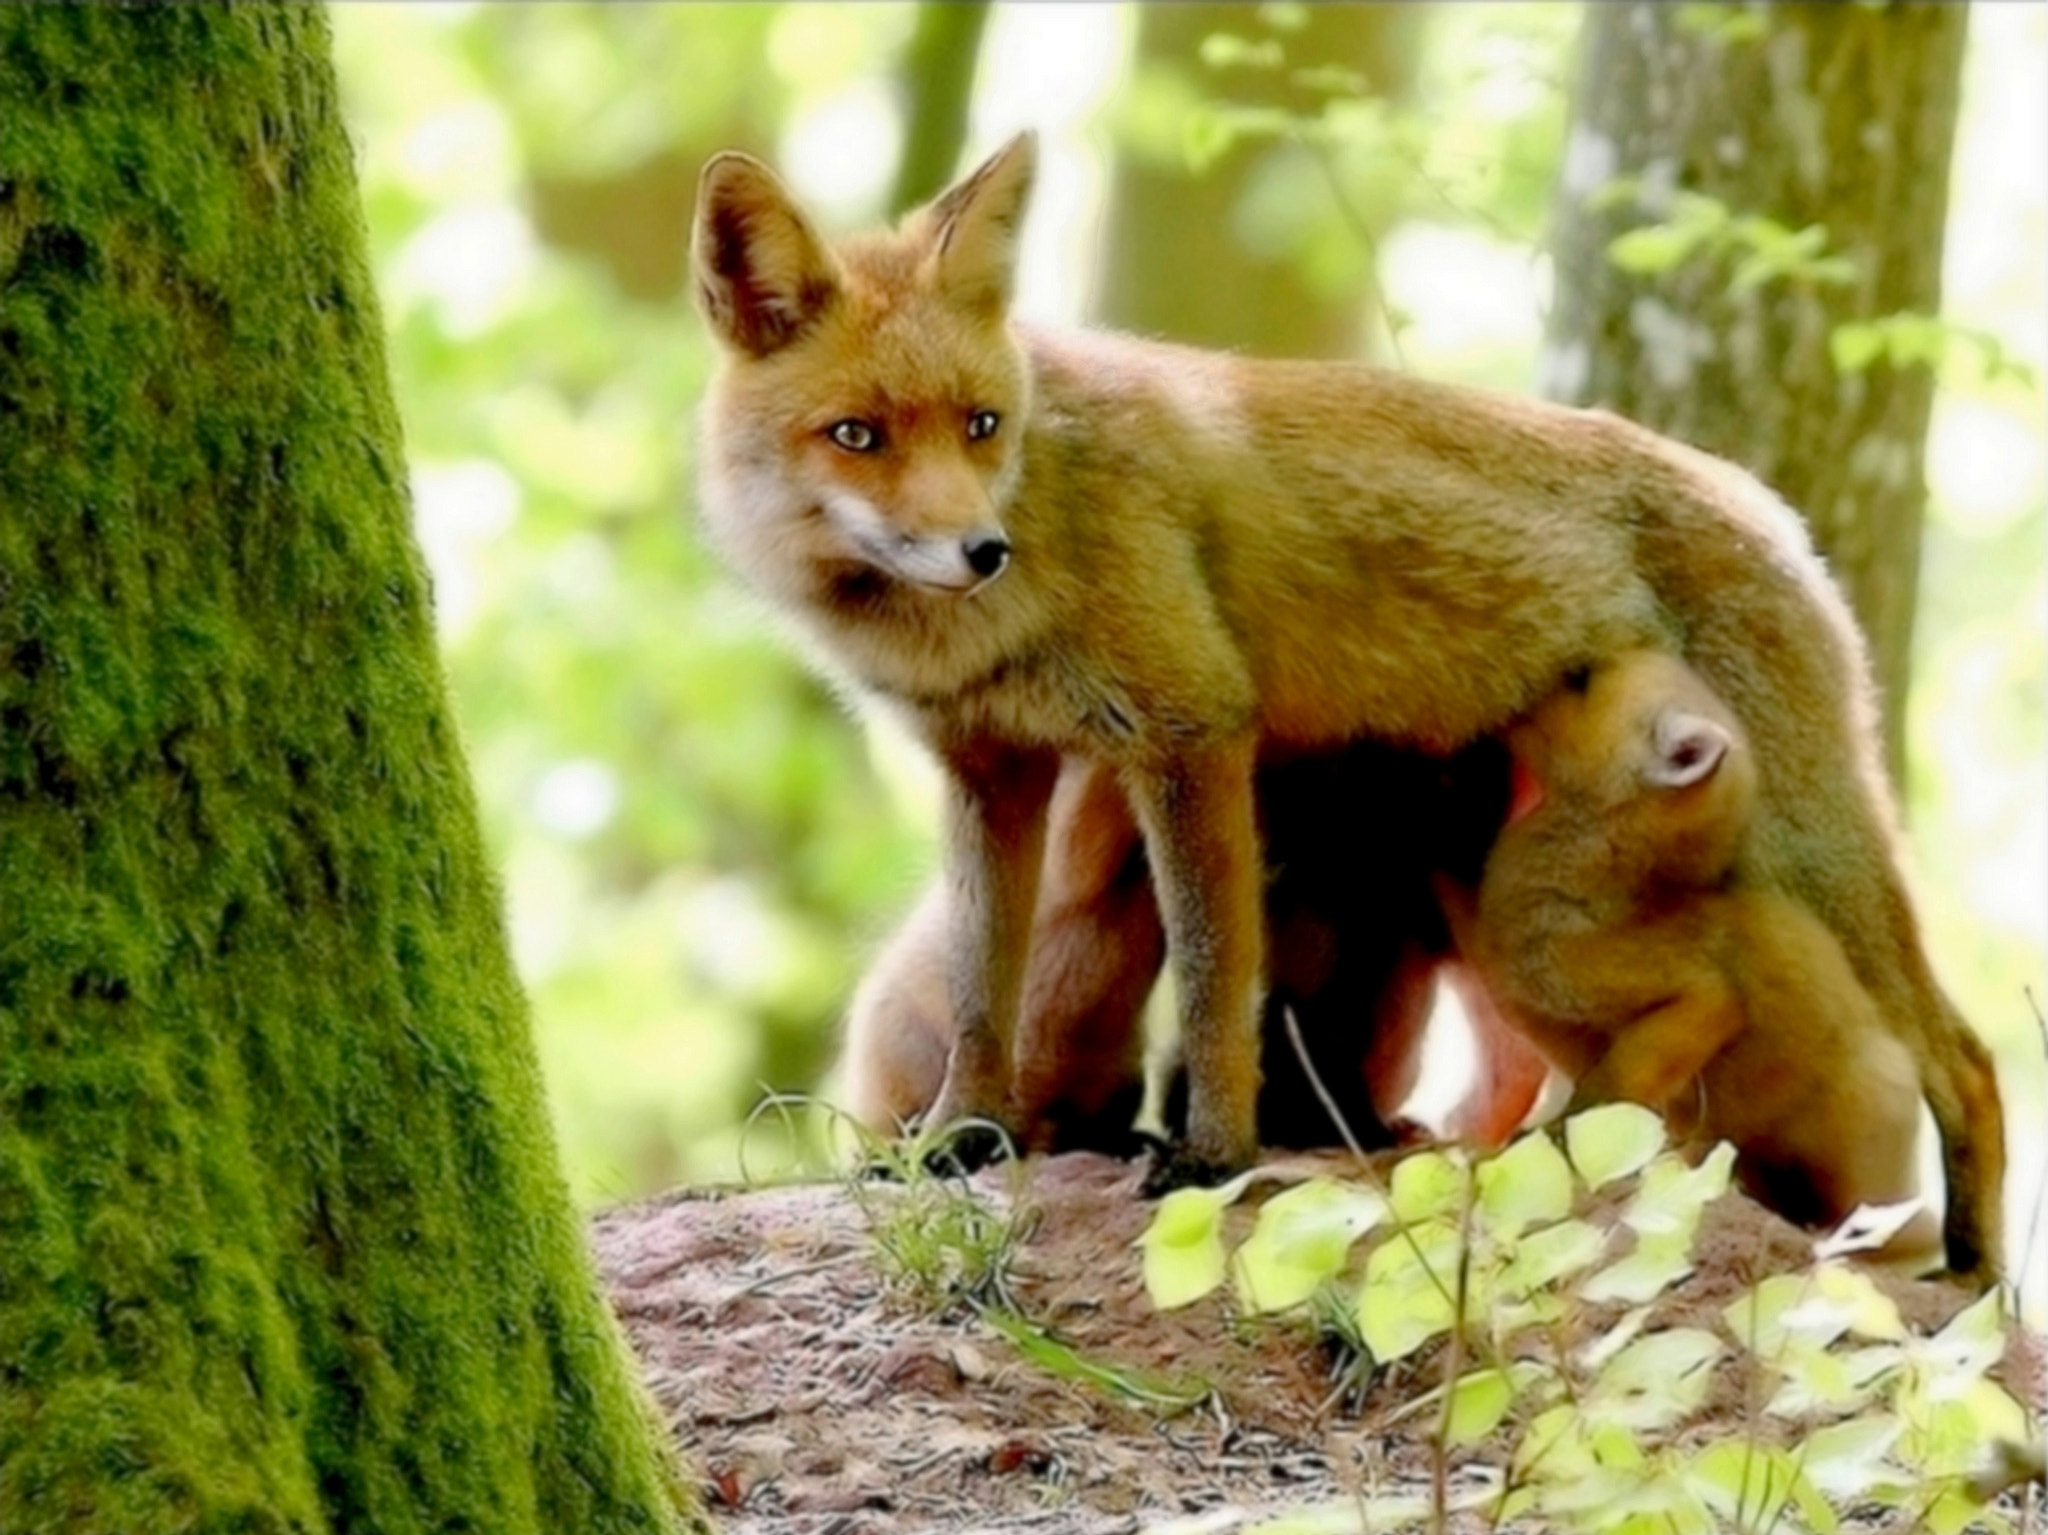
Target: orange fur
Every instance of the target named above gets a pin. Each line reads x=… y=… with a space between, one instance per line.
x=1036 y=545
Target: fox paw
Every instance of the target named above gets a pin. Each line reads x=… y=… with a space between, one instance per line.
x=1177 y=1166
x=956 y=1150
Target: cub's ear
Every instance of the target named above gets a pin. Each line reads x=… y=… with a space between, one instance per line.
x=762 y=274
x=1685 y=749
x=974 y=228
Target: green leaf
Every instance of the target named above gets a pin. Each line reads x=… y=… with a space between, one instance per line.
x=1974 y=1339
x=1847 y=1460
x=1183 y=1246
x=1870 y=1312
x=1059 y=1358
x=1811 y=1381
x=1223 y=50
x=1406 y=1298
x=1750 y=1484
x=1815 y=1379
x=1721 y=23
x=1612 y=1141
x=1855 y=345
x=1543 y=1257
x=1996 y=1415
x=1206 y=137
x=1658 y=1262
x=1554 y=1445
x=1597 y=1351
x=1757 y=1319
x=1654 y=1381
x=1427 y=1184
x=1653 y=248
x=1528 y=1183
x=1953 y=1511
x=1673 y=1195
x=1301 y=1240
x=1478 y=1402
x=1331 y=80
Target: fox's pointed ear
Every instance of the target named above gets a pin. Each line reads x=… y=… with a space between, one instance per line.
x=974 y=228
x=1685 y=749
x=762 y=273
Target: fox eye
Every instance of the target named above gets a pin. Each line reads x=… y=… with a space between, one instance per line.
x=855 y=436
x=982 y=424
x=1577 y=678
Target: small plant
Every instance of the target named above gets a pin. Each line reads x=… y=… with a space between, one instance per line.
x=938 y=1243
x=1551 y=1353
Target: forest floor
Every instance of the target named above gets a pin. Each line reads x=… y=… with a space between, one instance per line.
x=814 y=1396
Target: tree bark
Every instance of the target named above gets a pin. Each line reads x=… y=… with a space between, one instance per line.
x=938 y=87
x=1830 y=114
x=1175 y=265
x=283 y=1245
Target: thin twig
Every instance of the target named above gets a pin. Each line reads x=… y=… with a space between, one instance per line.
x=1454 y=1361
x=1315 y=1081
x=1363 y=232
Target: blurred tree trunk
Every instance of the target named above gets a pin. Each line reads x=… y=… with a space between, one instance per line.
x=938 y=85
x=1175 y=265
x=283 y=1246
x=1812 y=114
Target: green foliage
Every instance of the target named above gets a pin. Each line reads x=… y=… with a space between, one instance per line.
x=1061 y=1359
x=942 y=1246
x=1183 y=1247
x=1596 y=1418
x=1758 y=250
x=937 y=1242
x=1474 y=146
x=1909 y=340
x=1723 y=23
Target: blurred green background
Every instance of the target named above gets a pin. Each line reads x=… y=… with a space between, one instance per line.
x=700 y=845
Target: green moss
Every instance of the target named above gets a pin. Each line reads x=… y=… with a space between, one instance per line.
x=282 y=1241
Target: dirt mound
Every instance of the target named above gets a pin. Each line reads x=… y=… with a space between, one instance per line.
x=814 y=1398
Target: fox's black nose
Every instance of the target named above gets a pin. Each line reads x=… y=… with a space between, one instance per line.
x=987 y=553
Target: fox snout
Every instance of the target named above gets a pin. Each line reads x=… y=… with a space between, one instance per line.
x=952 y=561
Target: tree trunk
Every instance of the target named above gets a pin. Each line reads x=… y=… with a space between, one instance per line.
x=1829 y=114
x=283 y=1245
x=1175 y=263
x=938 y=86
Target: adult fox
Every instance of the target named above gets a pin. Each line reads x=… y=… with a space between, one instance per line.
x=1036 y=544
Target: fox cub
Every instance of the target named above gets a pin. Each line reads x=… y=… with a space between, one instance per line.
x=1037 y=545
x=1619 y=923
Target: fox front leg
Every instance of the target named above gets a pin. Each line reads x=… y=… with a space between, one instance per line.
x=995 y=837
x=1201 y=834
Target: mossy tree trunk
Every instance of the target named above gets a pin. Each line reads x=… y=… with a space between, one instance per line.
x=283 y=1245
x=1831 y=115
x=1175 y=261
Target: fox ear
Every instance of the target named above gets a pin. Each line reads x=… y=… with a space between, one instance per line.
x=762 y=273
x=1685 y=749
x=974 y=228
